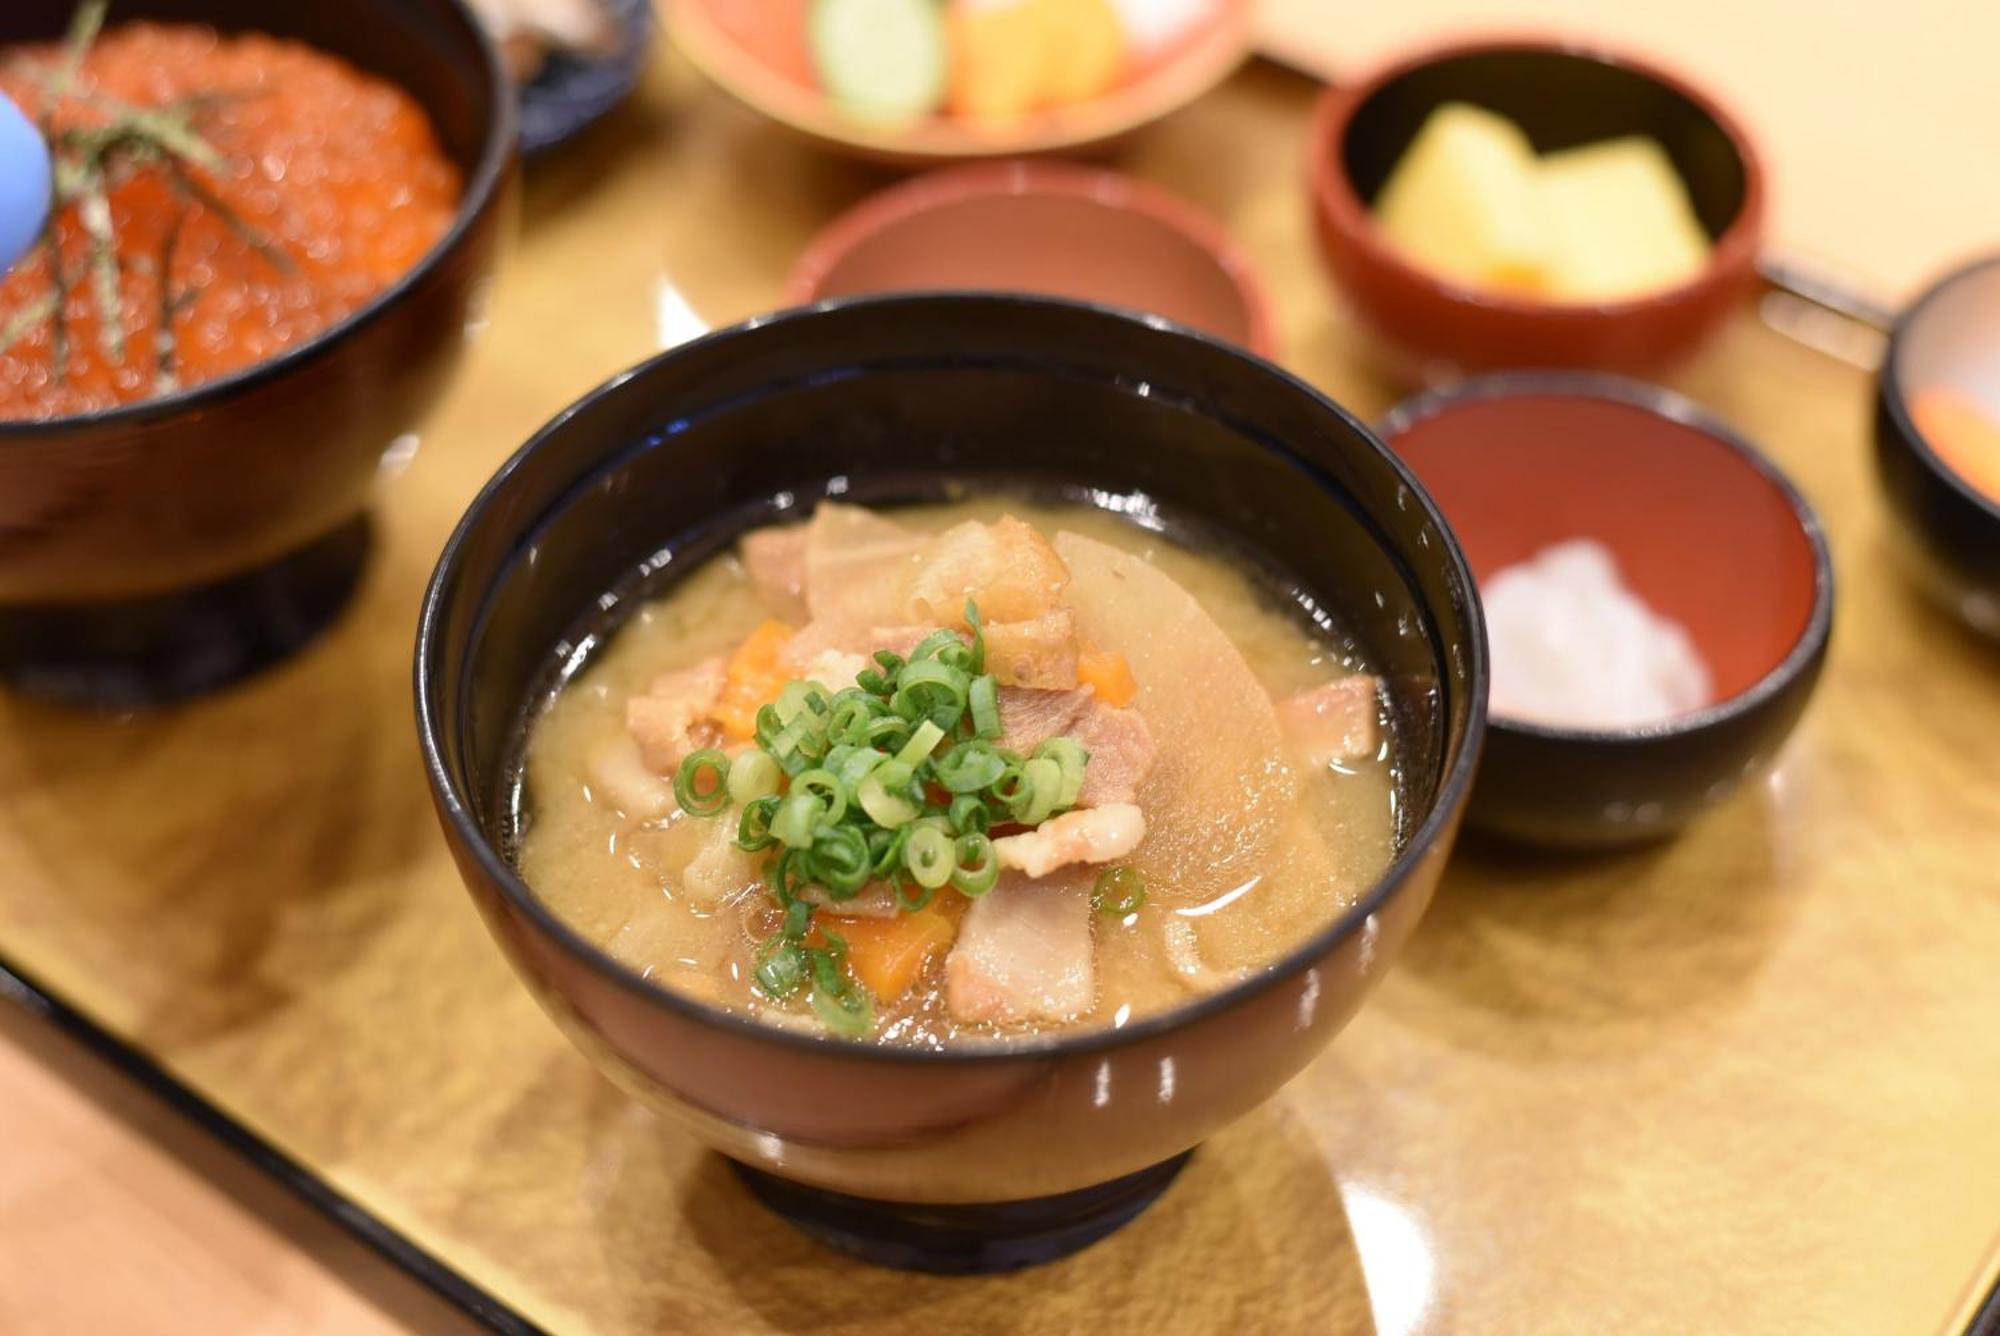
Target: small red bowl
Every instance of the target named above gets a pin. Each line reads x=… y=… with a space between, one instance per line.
x=1044 y=228
x=1561 y=96
x=1703 y=528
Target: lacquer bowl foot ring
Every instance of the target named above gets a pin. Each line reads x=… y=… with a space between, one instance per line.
x=977 y=1239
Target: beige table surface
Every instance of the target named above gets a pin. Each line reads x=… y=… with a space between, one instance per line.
x=117 y=1215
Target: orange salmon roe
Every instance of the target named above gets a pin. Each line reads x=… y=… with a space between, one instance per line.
x=339 y=170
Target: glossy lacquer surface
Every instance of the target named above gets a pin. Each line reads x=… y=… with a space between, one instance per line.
x=1741 y=1082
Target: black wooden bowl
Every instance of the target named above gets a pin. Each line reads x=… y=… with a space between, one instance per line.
x=995 y=1156
x=1703 y=528
x=1950 y=530
x=155 y=550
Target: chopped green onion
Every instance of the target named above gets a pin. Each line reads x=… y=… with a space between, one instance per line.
x=789 y=746
x=921 y=744
x=826 y=786
x=753 y=776
x=1119 y=891
x=970 y=766
x=983 y=698
x=887 y=848
x=930 y=689
x=931 y=645
x=1012 y=788
x=888 y=733
x=884 y=806
x=782 y=969
x=1041 y=785
x=864 y=764
x=853 y=710
x=1069 y=754
x=856 y=766
x=929 y=857
x=789 y=878
x=769 y=726
x=753 y=832
x=976 y=865
x=850 y=1013
x=797 y=817
x=826 y=963
x=911 y=904
x=976 y=661
x=840 y=860
x=804 y=699
x=969 y=816
x=701 y=785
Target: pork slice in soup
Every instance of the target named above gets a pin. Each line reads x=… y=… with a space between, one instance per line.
x=957 y=773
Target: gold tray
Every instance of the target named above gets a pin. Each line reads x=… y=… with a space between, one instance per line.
x=1746 y=1081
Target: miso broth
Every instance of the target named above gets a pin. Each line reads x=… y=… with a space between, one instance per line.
x=1261 y=763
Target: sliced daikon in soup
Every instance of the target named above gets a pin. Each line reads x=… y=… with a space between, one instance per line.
x=1222 y=801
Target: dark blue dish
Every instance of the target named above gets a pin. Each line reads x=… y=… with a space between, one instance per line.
x=1000 y=1155
x=570 y=93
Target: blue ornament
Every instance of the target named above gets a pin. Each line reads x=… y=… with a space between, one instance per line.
x=24 y=184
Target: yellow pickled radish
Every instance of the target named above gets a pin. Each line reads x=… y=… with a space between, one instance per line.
x=1620 y=223
x=1465 y=202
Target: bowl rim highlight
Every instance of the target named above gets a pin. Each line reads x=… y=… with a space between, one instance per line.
x=1684 y=412
x=1336 y=199
x=455 y=807
x=967 y=183
x=496 y=152
x=1896 y=389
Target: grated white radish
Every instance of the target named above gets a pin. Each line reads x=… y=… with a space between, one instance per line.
x=1573 y=647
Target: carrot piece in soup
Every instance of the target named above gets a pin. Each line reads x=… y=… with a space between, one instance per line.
x=887 y=955
x=752 y=680
x=1108 y=675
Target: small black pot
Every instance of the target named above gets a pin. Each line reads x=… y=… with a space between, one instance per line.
x=1950 y=530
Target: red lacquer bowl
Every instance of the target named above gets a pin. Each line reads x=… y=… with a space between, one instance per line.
x=1561 y=96
x=1045 y=228
x=1703 y=528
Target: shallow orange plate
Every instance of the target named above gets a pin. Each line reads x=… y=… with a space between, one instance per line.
x=756 y=49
